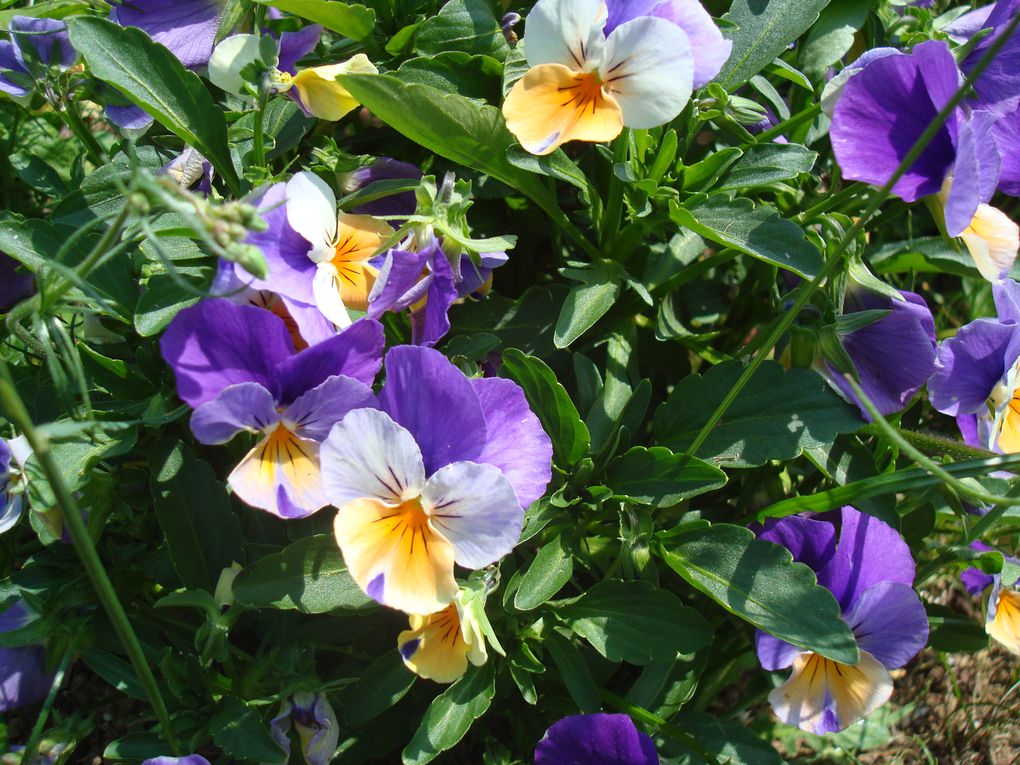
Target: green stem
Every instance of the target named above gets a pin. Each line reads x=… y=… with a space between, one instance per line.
x=69 y=113
x=649 y=718
x=19 y=416
x=258 y=137
x=834 y=260
x=797 y=119
x=830 y=202
x=28 y=754
x=613 y=214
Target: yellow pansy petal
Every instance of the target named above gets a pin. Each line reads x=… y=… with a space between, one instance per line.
x=824 y=696
x=1009 y=433
x=1003 y=623
x=992 y=239
x=434 y=647
x=552 y=104
x=281 y=475
x=396 y=556
x=322 y=95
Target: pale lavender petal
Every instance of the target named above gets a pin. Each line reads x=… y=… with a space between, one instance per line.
x=128 y=117
x=1006 y=132
x=975 y=172
x=967 y=423
x=216 y=343
x=869 y=551
x=290 y=269
x=885 y=108
x=356 y=353
x=245 y=406
x=318 y=410
x=425 y=393
x=430 y=324
x=998 y=87
x=311 y=324
x=889 y=622
x=810 y=541
x=599 y=739
x=516 y=442
x=186 y=27
x=969 y=365
x=294 y=46
x=774 y=654
x=969 y=24
x=47 y=36
x=1007 y=301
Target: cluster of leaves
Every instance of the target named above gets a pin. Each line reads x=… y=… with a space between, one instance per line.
x=645 y=277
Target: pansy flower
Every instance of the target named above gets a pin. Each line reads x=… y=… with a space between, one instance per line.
x=186 y=27
x=13 y=455
x=237 y=367
x=34 y=43
x=597 y=67
x=868 y=568
x=190 y=759
x=315 y=723
x=977 y=375
x=886 y=106
x=439 y=474
x=1002 y=612
x=24 y=679
x=439 y=646
x=598 y=739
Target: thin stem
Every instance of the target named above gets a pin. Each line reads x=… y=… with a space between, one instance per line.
x=834 y=260
x=28 y=754
x=807 y=114
x=260 y=107
x=830 y=202
x=69 y=113
x=16 y=412
x=613 y=214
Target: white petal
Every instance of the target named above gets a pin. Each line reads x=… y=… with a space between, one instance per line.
x=567 y=32
x=649 y=69
x=992 y=239
x=326 y=288
x=368 y=455
x=311 y=211
x=230 y=57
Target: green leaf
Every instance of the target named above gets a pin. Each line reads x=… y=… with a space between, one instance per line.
x=635 y=622
x=448 y=124
x=239 y=731
x=462 y=25
x=75 y=456
x=308 y=575
x=455 y=72
x=556 y=165
x=933 y=254
x=660 y=478
x=833 y=36
x=550 y=402
x=758 y=231
x=348 y=19
x=703 y=175
x=573 y=672
x=157 y=82
x=759 y=582
x=202 y=532
x=451 y=715
x=585 y=305
x=764 y=31
x=729 y=741
x=779 y=414
x=380 y=685
x=164 y=297
x=116 y=672
x=548 y=572
x=767 y=163
x=526 y=323
x=137 y=746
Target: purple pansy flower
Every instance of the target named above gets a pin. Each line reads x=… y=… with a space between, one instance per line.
x=894 y=356
x=440 y=473
x=186 y=27
x=237 y=367
x=191 y=759
x=315 y=723
x=1002 y=614
x=599 y=739
x=868 y=568
x=23 y=676
x=13 y=454
x=977 y=377
x=33 y=42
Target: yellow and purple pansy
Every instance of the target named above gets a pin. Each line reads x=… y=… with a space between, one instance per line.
x=439 y=646
x=1002 y=612
x=237 y=367
x=439 y=474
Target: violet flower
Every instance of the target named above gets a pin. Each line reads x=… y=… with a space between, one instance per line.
x=440 y=473
x=1002 y=612
x=868 y=568
x=16 y=283
x=34 y=45
x=894 y=356
x=884 y=109
x=977 y=375
x=24 y=679
x=186 y=27
x=598 y=739
x=314 y=722
x=237 y=367
x=191 y=759
x=13 y=455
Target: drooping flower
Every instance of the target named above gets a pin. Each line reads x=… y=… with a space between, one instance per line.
x=439 y=646
x=317 y=91
x=593 y=74
x=237 y=367
x=598 y=739
x=439 y=474
x=868 y=568
x=35 y=44
x=977 y=375
x=886 y=106
x=894 y=356
x=188 y=168
x=314 y=722
x=24 y=679
x=186 y=27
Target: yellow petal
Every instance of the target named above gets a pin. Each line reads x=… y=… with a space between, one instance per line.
x=552 y=104
x=434 y=647
x=322 y=95
x=281 y=461
x=1009 y=433
x=992 y=239
x=1004 y=626
x=358 y=238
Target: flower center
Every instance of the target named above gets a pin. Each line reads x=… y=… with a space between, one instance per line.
x=584 y=93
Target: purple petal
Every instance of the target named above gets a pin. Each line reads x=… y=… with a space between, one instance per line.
x=516 y=442
x=968 y=425
x=400 y=282
x=895 y=355
x=286 y=251
x=216 y=343
x=356 y=353
x=475 y=277
x=385 y=169
x=245 y=406
x=323 y=406
x=191 y=759
x=869 y=551
x=885 y=108
x=10 y=61
x=811 y=541
x=774 y=654
x=599 y=739
x=1007 y=301
x=128 y=117
x=294 y=46
x=47 y=36
x=998 y=87
x=431 y=398
x=186 y=27
x=311 y=324
x=16 y=283
x=23 y=676
x=975 y=172
x=430 y=324
x=1006 y=132
x=976 y=581
x=708 y=46
x=890 y=623
x=970 y=364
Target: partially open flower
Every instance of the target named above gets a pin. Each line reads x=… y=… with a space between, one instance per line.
x=439 y=646
x=314 y=722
